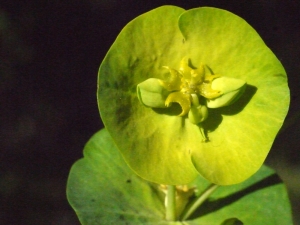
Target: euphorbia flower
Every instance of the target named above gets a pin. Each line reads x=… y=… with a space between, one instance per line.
x=165 y=148
x=185 y=86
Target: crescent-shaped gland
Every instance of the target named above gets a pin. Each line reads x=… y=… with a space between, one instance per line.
x=184 y=100
x=206 y=90
x=174 y=81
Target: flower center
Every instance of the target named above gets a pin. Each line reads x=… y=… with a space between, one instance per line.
x=187 y=83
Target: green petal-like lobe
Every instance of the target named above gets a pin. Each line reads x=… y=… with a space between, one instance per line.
x=164 y=148
x=241 y=141
x=152 y=93
x=152 y=142
x=231 y=89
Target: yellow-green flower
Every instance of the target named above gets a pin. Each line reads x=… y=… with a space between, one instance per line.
x=186 y=86
x=165 y=148
x=188 y=82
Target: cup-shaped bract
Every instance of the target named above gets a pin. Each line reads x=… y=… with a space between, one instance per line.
x=165 y=148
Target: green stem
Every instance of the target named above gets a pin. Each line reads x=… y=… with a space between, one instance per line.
x=195 y=100
x=202 y=133
x=171 y=203
x=189 y=211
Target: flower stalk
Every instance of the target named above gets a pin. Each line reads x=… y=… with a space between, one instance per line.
x=171 y=203
x=191 y=209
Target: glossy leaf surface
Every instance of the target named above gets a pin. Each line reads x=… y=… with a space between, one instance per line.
x=164 y=148
x=103 y=190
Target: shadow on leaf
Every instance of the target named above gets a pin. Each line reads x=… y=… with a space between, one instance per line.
x=214 y=205
x=215 y=115
x=174 y=110
x=241 y=103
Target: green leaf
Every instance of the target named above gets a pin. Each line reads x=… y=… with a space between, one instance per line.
x=261 y=200
x=164 y=148
x=103 y=190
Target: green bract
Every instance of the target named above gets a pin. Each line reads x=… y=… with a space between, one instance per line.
x=163 y=147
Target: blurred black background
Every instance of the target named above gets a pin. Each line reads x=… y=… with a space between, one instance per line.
x=50 y=52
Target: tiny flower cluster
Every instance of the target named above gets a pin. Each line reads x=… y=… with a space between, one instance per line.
x=186 y=85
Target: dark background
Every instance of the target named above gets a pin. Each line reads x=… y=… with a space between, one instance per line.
x=50 y=52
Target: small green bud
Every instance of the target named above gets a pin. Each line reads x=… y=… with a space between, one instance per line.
x=231 y=89
x=152 y=93
x=198 y=114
